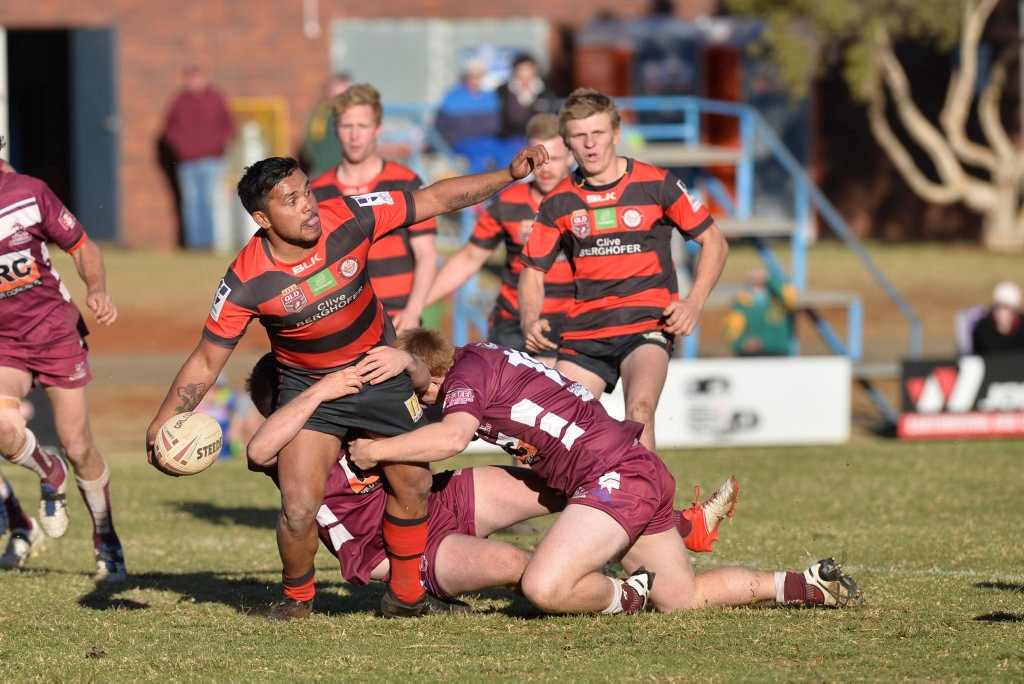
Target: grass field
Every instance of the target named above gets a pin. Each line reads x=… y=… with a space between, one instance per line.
x=931 y=531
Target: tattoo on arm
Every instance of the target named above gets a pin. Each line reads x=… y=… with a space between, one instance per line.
x=190 y=396
x=468 y=199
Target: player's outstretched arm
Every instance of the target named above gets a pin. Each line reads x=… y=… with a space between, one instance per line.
x=284 y=423
x=452 y=194
x=434 y=442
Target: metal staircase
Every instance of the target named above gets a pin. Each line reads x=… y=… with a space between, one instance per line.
x=679 y=144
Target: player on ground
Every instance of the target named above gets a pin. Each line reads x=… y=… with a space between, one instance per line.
x=613 y=218
x=401 y=264
x=42 y=341
x=508 y=220
x=304 y=276
x=620 y=494
x=465 y=504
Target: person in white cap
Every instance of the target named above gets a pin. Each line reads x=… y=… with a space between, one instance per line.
x=1002 y=330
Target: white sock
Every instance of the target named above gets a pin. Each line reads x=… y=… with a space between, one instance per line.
x=24 y=455
x=95 y=493
x=780 y=587
x=616 y=604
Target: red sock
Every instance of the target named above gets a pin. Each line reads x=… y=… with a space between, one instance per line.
x=404 y=541
x=300 y=588
x=797 y=590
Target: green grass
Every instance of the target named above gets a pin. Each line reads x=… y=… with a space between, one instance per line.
x=931 y=531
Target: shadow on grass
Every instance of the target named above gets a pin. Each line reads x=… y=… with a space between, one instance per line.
x=250 y=516
x=1002 y=586
x=254 y=596
x=999 y=616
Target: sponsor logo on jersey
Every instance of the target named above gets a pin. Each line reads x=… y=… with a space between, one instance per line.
x=16 y=216
x=293 y=299
x=525 y=228
x=67 y=219
x=321 y=282
x=606 y=218
x=19 y=271
x=373 y=198
x=458 y=397
x=412 y=404
x=694 y=202
x=307 y=264
x=632 y=218
x=580 y=221
x=223 y=292
x=20 y=237
x=603 y=198
x=348 y=268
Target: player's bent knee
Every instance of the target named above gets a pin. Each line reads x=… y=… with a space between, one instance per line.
x=544 y=593
x=12 y=427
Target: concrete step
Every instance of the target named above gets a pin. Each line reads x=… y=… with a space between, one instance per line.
x=736 y=228
x=673 y=155
x=723 y=294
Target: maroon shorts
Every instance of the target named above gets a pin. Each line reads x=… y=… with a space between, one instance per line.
x=639 y=494
x=63 y=364
x=350 y=525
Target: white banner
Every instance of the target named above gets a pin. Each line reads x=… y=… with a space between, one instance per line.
x=751 y=401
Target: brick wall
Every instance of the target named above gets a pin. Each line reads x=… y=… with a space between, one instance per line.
x=250 y=48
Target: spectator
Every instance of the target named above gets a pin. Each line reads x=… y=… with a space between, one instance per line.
x=760 y=321
x=469 y=120
x=1001 y=330
x=320 y=150
x=523 y=95
x=198 y=129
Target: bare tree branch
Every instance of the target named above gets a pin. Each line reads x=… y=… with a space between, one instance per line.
x=962 y=82
x=988 y=111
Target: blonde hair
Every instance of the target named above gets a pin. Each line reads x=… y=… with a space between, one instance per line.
x=584 y=103
x=542 y=127
x=431 y=346
x=358 y=94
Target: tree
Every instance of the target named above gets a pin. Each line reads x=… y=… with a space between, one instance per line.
x=967 y=154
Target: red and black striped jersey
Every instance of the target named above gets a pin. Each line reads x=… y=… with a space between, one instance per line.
x=321 y=313
x=618 y=241
x=508 y=220
x=392 y=263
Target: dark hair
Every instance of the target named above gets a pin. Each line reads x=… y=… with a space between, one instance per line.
x=261 y=178
x=264 y=384
x=523 y=58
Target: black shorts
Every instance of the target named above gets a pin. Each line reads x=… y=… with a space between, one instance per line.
x=604 y=357
x=507 y=332
x=388 y=409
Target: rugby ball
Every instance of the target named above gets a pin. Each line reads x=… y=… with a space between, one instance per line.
x=188 y=443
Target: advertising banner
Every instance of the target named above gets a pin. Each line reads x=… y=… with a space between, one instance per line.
x=967 y=397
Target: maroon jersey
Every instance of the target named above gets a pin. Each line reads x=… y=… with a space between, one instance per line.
x=349 y=520
x=320 y=314
x=508 y=220
x=35 y=306
x=618 y=239
x=545 y=420
x=392 y=264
